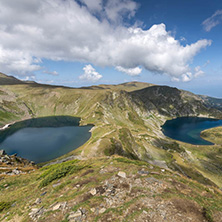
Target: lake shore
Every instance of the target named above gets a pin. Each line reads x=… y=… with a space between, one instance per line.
x=7 y=126
x=48 y=137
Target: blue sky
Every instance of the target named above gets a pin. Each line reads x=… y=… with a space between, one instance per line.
x=87 y=42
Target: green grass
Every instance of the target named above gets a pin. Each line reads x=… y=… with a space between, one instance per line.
x=128 y=143
x=58 y=171
x=5 y=206
x=134 y=117
x=129 y=161
x=135 y=132
x=213 y=135
x=25 y=189
x=6 y=116
x=208 y=215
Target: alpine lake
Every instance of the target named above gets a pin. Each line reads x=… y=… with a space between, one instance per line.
x=188 y=129
x=44 y=139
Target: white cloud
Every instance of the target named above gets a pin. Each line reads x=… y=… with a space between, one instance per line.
x=206 y=63
x=29 y=78
x=93 y=32
x=132 y=72
x=17 y=61
x=187 y=77
x=198 y=72
x=116 y=8
x=174 y=79
x=90 y=74
x=53 y=73
x=183 y=39
x=212 y=21
x=94 y=5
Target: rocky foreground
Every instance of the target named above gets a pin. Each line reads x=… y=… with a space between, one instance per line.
x=13 y=165
x=107 y=189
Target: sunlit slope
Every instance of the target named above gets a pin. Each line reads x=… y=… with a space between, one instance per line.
x=213 y=135
x=126 y=123
x=107 y=189
x=128 y=86
x=110 y=111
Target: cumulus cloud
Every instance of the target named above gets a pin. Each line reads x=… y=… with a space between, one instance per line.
x=132 y=72
x=115 y=9
x=212 y=21
x=18 y=61
x=88 y=31
x=90 y=74
x=197 y=72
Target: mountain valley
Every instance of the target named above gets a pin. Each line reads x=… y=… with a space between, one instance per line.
x=128 y=168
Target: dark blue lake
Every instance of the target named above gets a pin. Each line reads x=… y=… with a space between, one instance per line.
x=44 y=139
x=188 y=129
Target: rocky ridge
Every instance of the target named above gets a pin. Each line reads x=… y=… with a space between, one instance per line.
x=173 y=102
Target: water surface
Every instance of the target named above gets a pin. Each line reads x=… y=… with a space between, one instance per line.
x=188 y=129
x=44 y=139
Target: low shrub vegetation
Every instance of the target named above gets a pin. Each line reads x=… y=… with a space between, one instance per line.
x=58 y=171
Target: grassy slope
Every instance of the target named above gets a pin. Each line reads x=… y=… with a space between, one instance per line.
x=109 y=109
x=138 y=196
x=123 y=125
x=214 y=135
x=128 y=86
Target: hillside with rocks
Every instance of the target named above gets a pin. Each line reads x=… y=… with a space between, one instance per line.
x=107 y=189
x=212 y=102
x=173 y=102
x=127 y=171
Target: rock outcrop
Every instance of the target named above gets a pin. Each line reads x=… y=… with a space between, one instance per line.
x=13 y=165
